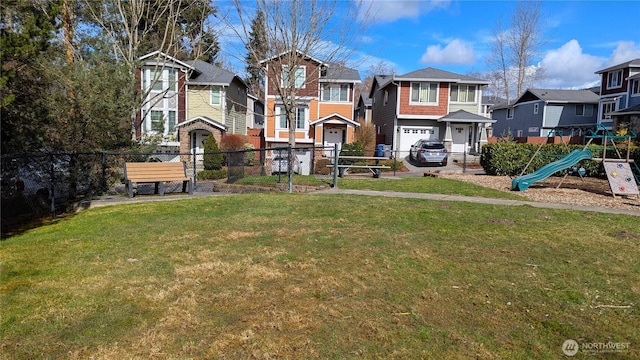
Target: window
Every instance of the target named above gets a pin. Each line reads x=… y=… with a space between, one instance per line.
x=299 y=76
x=463 y=93
x=172 y=122
x=215 y=95
x=536 y=107
x=173 y=79
x=335 y=92
x=579 y=109
x=614 y=79
x=424 y=93
x=156 y=80
x=157 y=121
x=509 y=113
x=386 y=98
x=635 y=87
x=588 y=110
x=607 y=108
x=301 y=118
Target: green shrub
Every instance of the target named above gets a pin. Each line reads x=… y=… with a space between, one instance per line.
x=212 y=156
x=352 y=149
x=212 y=174
x=510 y=159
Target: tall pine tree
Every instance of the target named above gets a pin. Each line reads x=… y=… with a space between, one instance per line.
x=256 y=51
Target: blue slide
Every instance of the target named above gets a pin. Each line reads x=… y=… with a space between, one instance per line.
x=521 y=183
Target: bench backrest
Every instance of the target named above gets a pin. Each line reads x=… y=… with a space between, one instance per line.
x=155 y=171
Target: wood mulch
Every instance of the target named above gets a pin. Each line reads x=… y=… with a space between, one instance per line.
x=591 y=192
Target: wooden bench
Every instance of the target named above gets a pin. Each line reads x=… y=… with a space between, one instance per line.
x=157 y=173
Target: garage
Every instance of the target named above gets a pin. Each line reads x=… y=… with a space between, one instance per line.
x=410 y=134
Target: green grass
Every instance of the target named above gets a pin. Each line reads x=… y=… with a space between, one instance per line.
x=319 y=276
x=272 y=180
x=427 y=184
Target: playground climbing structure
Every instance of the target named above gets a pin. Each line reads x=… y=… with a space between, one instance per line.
x=622 y=179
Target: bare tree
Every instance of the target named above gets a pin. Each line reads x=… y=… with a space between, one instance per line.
x=134 y=27
x=379 y=68
x=514 y=49
x=298 y=31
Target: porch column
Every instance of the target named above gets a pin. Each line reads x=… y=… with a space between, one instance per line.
x=448 y=138
x=483 y=136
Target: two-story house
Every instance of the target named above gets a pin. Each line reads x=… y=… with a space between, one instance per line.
x=324 y=104
x=537 y=111
x=620 y=95
x=186 y=101
x=429 y=104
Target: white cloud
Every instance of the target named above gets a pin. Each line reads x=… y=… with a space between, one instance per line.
x=568 y=67
x=625 y=51
x=457 y=52
x=390 y=10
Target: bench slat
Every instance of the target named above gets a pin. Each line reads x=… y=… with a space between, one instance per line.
x=157 y=173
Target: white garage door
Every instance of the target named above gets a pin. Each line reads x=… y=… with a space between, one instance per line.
x=410 y=134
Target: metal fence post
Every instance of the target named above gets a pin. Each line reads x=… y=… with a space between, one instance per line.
x=195 y=171
x=290 y=164
x=335 y=166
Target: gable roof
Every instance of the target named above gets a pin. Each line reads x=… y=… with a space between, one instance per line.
x=624 y=65
x=560 y=96
x=465 y=116
x=339 y=73
x=298 y=52
x=335 y=118
x=440 y=76
x=381 y=81
x=151 y=58
x=209 y=74
x=207 y=120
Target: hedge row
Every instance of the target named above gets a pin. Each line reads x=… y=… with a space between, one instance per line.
x=508 y=158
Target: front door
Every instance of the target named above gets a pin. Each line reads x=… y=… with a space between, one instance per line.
x=332 y=136
x=460 y=134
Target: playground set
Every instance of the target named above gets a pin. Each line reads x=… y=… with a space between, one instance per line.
x=620 y=171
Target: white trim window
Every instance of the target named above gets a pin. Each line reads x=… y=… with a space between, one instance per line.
x=584 y=110
x=614 y=79
x=215 y=95
x=160 y=80
x=335 y=92
x=463 y=93
x=301 y=118
x=635 y=87
x=424 y=93
x=509 y=113
x=300 y=76
x=162 y=122
x=607 y=108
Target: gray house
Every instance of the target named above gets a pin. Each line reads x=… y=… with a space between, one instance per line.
x=537 y=111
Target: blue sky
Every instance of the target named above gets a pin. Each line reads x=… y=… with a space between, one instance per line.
x=453 y=35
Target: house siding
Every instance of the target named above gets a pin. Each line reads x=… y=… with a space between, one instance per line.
x=236 y=108
x=199 y=103
x=441 y=109
x=603 y=84
x=384 y=116
x=311 y=72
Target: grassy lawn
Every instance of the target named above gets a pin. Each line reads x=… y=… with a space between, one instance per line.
x=330 y=276
x=431 y=185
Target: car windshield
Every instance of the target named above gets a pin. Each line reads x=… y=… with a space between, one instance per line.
x=432 y=146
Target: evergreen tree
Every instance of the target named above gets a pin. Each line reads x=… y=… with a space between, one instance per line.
x=212 y=155
x=256 y=51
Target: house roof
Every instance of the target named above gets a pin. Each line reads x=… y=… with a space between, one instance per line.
x=465 y=116
x=152 y=58
x=624 y=65
x=206 y=120
x=632 y=110
x=439 y=75
x=335 y=118
x=300 y=53
x=492 y=100
x=381 y=81
x=339 y=73
x=560 y=96
x=209 y=74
